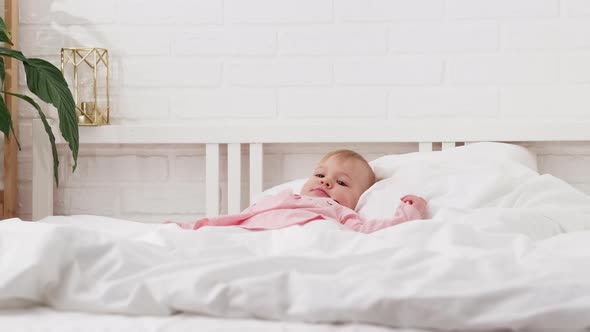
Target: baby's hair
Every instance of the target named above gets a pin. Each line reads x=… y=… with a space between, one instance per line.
x=345 y=154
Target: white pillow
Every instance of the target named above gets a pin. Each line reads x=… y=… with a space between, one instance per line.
x=385 y=166
x=475 y=175
x=466 y=177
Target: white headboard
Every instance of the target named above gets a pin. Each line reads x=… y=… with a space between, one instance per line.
x=214 y=134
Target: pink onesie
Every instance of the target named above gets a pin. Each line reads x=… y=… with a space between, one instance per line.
x=286 y=209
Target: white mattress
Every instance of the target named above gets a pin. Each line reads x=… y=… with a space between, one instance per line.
x=48 y=320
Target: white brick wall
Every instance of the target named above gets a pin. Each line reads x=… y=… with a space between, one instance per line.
x=246 y=60
x=578 y=8
x=224 y=103
x=546 y=101
x=67 y=12
x=504 y=69
x=468 y=102
x=155 y=13
x=269 y=73
x=225 y=41
x=439 y=36
x=476 y=9
x=333 y=40
x=575 y=68
x=333 y=103
x=278 y=11
x=155 y=72
x=403 y=70
x=547 y=35
x=387 y=10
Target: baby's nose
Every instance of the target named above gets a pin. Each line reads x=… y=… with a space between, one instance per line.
x=327 y=183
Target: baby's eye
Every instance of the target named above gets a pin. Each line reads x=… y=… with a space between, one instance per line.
x=342 y=183
x=319 y=175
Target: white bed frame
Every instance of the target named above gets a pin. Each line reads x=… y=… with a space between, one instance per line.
x=214 y=134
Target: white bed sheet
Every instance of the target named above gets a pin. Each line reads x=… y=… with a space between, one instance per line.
x=520 y=262
x=42 y=319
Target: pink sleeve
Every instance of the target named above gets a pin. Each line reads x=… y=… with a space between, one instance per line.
x=404 y=212
x=222 y=220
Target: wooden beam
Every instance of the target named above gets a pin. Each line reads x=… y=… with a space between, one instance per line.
x=10 y=146
x=2 y=200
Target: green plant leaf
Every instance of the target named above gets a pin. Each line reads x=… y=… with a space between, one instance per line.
x=48 y=83
x=13 y=54
x=6 y=122
x=47 y=130
x=4 y=33
x=2 y=71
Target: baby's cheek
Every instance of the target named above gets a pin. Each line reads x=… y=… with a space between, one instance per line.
x=304 y=189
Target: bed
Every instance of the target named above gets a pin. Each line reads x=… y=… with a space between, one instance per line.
x=505 y=248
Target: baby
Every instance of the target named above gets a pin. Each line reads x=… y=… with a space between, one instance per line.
x=331 y=192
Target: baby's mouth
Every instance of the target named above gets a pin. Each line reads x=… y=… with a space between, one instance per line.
x=320 y=192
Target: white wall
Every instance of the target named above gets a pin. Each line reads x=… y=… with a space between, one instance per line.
x=244 y=60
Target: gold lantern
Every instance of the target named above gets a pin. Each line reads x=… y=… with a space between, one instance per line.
x=87 y=72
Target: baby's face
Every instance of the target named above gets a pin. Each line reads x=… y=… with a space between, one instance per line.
x=343 y=180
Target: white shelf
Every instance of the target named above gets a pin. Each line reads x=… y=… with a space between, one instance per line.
x=331 y=132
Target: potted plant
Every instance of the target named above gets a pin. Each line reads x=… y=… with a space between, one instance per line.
x=45 y=81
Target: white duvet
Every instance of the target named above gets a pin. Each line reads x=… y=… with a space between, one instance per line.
x=520 y=262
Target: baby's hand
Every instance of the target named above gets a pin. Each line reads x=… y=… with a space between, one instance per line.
x=417 y=202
